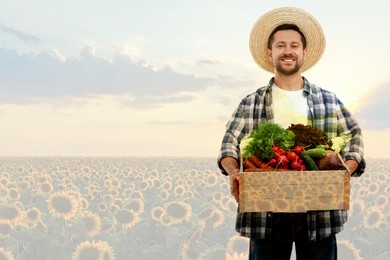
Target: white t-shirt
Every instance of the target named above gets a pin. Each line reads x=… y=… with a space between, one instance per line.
x=289 y=107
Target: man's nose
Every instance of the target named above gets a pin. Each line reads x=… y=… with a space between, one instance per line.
x=287 y=50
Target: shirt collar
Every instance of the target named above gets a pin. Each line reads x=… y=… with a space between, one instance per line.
x=306 y=85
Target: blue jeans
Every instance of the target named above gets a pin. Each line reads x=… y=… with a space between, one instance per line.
x=289 y=228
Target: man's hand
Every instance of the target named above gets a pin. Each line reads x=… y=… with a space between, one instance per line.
x=351 y=165
x=234 y=184
x=230 y=165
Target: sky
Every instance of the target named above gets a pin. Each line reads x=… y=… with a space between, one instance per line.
x=161 y=78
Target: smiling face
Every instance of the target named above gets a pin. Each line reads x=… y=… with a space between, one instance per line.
x=287 y=53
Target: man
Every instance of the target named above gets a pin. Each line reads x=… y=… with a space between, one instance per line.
x=286 y=42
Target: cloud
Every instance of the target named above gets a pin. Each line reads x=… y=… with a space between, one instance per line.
x=208 y=62
x=50 y=75
x=374 y=107
x=18 y=34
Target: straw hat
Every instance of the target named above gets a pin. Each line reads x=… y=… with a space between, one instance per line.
x=286 y=15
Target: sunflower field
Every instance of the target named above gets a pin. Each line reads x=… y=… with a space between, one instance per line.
x=153 y=208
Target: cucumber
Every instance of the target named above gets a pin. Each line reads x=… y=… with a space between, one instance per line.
x=310 y=163
x=315 y=153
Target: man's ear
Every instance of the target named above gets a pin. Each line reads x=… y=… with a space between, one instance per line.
x=269 y=55
x=304 y=54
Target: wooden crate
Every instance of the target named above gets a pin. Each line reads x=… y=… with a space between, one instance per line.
x=294 y=191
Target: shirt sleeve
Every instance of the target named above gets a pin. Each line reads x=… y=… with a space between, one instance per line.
x=230 y=146
x=354 y=148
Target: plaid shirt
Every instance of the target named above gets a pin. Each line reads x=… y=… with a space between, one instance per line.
x=327 y=113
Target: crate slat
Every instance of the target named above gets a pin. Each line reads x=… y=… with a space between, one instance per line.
x=294 y=191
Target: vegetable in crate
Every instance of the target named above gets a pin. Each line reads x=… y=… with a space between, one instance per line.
x=316 y=153
x=330 y=161
x=337 y=143
x=261 y=140
x=308 y=136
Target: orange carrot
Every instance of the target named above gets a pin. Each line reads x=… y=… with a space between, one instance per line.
x=259 y=163
x=248 y=164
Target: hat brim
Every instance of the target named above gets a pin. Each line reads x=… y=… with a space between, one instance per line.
x=308 y=25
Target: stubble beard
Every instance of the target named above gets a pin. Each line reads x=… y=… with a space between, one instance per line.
x=288 y=72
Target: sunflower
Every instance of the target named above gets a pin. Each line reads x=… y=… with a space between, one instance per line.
x=153 y=173
x=13 y=194
x=113 y=209
x=118 y=201
x=6 y=255
x=108 y=198
x=126 y=218
x=33 y=216
x=363 y=192
x=217 y=218
x=5 y=228
x=382 y=201
x=383 y=225
x=114 y=183
x=24 y=185
x=216 y=197
x=373 y=188
x=347 y=250
x=167 y=185
x=3 y=193
x=157 y=213
x=107 y=226
x=114 y=192
x=136 y=205
x=357 y=207
x=136 y=194
x=373 y=217
x=102 y=206
x=205 y=213
x=178 y=211
x=211 y=180
x=179 y=191
x=92 y=222
x=45 y=188
x=61 y=204
x=188 y=253
x=84 y=203
x=164 y=195
x=145 y=185
x=30 y=179
x=99 y=250
x=10 y=214
x=107 y=183
x=85 y=169
x=194 y=173
x=4 y=179
x=231 y=206
x=238 y=245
